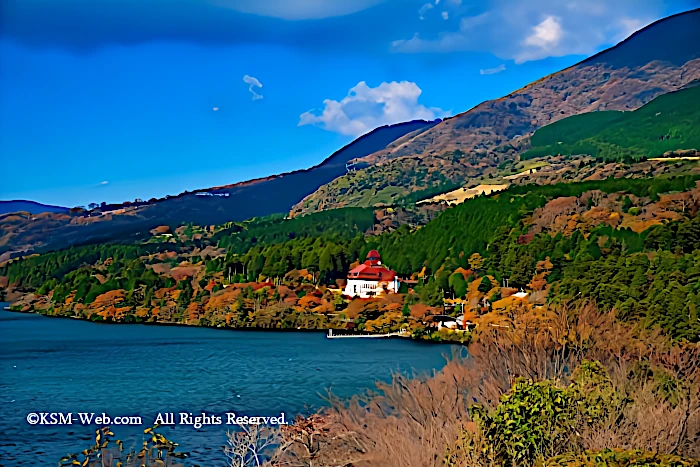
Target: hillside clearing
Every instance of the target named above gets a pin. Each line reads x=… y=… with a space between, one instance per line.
x=462 y=194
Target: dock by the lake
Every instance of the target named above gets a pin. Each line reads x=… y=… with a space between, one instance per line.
x=338 y=334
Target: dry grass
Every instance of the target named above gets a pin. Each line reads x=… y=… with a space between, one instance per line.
x=412 y=422
x=460 y=195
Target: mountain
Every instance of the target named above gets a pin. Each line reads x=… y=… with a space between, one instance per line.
x=662 y=57
x=278 y=193
x=32 y=207
x=22 y=234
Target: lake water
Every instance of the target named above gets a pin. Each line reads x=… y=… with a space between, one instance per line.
x=64 y=365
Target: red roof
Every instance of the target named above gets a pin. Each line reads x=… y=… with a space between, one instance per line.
x=372 y=273
x=373 y=258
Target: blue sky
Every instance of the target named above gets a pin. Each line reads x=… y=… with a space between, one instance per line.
x=122 y=99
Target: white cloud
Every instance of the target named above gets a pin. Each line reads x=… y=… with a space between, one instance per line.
x=543 y=40
x=547 y=34
x=366 y=108
x=424 y=9
x=252 y=83
x=445 y=15
x=493 y=71
x=299 y=9
x=524 y=30
x=105 y=182
x=215 y=109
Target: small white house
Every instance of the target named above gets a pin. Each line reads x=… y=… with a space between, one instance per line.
x=449 y=322
x=521 y=295
x=371 y=278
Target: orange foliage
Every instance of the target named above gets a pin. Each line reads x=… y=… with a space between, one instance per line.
x=384 y=322
x=223 y=298
x=110 y=298
x=285 y=292
x=183 y=272
x=464 y=272
x=193 y=310
x=325 y=307
x=122 y=311
x=309 y=301
x=421 y=310
x=161 y=293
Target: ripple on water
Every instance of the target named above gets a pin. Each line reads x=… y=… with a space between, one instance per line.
x=62 y=365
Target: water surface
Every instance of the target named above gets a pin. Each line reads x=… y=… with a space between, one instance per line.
x=66 y=365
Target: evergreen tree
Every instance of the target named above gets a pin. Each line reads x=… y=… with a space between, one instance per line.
x=459 y=284
x=485 y=285
x=638 y=285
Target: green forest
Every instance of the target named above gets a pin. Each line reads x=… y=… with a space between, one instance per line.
x=669 y=122
x=336 y=223
x=652 y=276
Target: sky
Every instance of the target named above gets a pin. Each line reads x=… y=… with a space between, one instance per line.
x=114 y=100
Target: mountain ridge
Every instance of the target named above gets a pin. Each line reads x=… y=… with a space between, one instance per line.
x=334 y=160
x=612 y=79
x=239 y=201
x=32 y=207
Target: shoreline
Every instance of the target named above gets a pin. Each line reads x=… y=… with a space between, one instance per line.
x=246 y=329
x=220 y=363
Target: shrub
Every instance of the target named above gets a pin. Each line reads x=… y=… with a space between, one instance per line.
x=620 y=458
x=593 y=392
x=528 y=424
x=485 y=285
x=157 y=451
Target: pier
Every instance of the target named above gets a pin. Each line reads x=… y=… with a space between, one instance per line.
x=338 y=334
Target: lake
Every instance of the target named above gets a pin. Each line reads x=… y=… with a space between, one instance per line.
x=69 y=366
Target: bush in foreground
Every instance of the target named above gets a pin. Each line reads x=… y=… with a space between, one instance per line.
x=557 y=387
x=620 y=458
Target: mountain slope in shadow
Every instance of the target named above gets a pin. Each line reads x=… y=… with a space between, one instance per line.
x=32 y=207
x=25 y=233
x=278 y=193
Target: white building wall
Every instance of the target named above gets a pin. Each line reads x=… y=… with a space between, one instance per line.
x=362 y=288
x=365 y=289
x=394 y=285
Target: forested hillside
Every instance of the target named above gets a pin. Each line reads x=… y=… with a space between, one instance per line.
x=669 y=122
x=628 y=244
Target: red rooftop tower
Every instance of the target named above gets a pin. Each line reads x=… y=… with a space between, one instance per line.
x=371 y=278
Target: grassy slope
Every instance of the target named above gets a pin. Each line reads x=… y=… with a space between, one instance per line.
x=669 y=122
